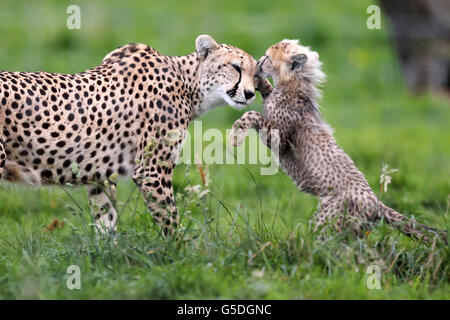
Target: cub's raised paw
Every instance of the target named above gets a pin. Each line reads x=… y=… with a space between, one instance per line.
x=237 y=135
x=263 y=86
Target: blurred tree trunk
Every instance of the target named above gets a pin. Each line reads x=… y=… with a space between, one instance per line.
x=422 y=36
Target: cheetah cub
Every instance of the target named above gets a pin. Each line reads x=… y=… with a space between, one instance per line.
x=307 y=150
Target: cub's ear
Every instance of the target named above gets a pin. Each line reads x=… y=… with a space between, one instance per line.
x=205 y=44
x=298 y=61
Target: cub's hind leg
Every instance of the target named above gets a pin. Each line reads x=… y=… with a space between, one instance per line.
x=102 y=207
x=340 y=214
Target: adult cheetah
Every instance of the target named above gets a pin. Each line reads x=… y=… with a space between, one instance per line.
x=126 y=117
x=307 y=149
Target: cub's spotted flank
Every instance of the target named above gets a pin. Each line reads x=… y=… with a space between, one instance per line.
x=126 y=117
x=308 y=151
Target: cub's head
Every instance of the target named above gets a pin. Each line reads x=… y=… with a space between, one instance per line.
x=226 y=74
x=288 y=61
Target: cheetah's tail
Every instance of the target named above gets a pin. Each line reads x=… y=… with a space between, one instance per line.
x=412 y=228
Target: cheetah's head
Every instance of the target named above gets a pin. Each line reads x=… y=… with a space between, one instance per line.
x=288 y=60
x=226 y=74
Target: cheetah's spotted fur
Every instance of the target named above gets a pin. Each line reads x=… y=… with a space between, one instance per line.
x=114 y=120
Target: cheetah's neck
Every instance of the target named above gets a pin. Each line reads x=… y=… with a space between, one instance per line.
x=188 y=66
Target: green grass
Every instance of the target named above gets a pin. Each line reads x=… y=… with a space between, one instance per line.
x=249 y=237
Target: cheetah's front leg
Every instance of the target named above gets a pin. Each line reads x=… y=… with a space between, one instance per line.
x=155 y=183
x=102 y=207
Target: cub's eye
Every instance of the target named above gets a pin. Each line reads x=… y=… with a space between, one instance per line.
x=238 y=69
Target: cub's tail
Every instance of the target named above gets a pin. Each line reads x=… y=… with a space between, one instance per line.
x=412 y=228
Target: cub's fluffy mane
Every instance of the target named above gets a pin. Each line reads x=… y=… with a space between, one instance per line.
x=307 y=79
x=311 y=76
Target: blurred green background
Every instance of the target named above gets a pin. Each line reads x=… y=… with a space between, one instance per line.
x=376 y=121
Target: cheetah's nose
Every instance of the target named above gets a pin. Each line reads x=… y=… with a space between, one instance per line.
x=248 y=94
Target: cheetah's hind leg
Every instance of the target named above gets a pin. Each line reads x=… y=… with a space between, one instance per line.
x=102 y=208
x=12 y=171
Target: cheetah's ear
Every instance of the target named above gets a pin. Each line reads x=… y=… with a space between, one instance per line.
x=298 y=61
x=204 y=44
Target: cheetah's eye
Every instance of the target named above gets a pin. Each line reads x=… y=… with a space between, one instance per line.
x=238 y=69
